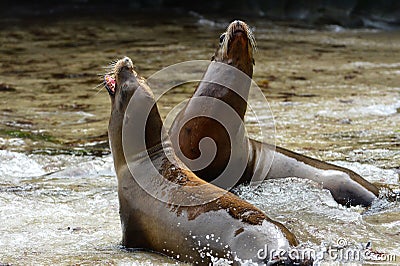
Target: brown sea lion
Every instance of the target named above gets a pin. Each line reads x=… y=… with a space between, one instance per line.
x=236 y=49
x=163 y=206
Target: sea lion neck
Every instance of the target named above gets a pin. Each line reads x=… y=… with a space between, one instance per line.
x=226 y=83
x=142 y=124
x=236 y=49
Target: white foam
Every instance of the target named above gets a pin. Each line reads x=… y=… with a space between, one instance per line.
x=371 y=172
x=13 y=164
x=295 y=195
x=12 y=142
x=369 y=65
x=376 y=110
x=91 y=168
x=362 y=111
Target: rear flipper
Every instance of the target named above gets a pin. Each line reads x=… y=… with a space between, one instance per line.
x=346 y=187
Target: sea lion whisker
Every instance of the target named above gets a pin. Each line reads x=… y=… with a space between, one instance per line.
x=101 y=85
x=108 y=67
x=107 y=73
x=97 y=93
x=98 y=85
x=111 y=65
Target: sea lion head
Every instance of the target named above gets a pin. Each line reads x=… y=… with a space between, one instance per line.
x=121 y=82
x=236 y=47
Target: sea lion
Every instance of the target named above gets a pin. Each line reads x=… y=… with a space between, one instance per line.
x=156 y=190
x=236 y=49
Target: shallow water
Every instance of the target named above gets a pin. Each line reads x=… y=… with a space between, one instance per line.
x=334 y=93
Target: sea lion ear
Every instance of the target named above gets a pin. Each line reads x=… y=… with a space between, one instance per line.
x=254 y=62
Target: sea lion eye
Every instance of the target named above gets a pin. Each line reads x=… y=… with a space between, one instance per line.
x=222 y=37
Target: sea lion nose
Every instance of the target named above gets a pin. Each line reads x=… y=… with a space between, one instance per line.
x=127 y=62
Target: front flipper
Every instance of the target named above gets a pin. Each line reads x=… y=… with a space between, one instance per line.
x=346 y=187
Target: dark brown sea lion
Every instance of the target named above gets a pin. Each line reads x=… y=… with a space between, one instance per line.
x=163 y=206
x=236 y=49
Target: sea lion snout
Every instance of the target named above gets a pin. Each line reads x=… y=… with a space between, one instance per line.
x=239 y=26
x=123 y=71
x=124 y=62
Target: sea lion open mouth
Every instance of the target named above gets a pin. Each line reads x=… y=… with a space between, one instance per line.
x=109 y=83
